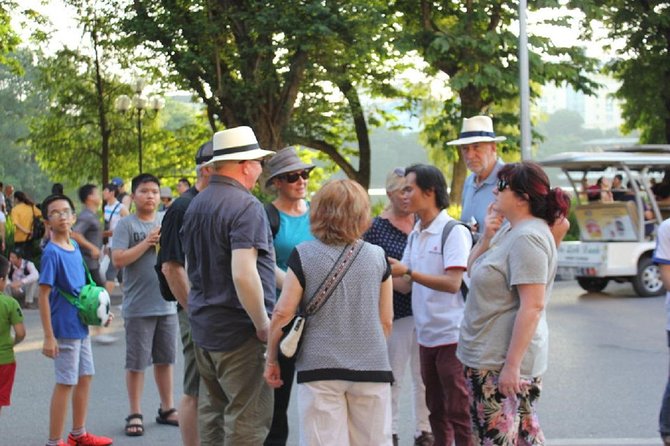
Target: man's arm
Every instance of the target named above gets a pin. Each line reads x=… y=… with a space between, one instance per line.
x=449 y=282
x=249 y=289
x=177 y=280
x=85 y=244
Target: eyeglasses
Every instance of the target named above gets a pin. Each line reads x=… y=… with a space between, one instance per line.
x=294 y=176
x=60 y=214
x=502 y=185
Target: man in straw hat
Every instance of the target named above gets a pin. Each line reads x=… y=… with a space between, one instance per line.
x=477 y=146
x=174 y=285
x=230 y=263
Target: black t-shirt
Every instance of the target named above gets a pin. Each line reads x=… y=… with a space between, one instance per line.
x=171 y=249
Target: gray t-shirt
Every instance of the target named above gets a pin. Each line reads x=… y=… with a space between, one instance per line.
x=525 y=254
x=88 y=225
x=141 y=292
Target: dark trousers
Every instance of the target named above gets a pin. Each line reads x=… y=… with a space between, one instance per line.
x=664 y=417
x=446 y=395
x=279 y=430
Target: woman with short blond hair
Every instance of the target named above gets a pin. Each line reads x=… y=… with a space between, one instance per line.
x=390 y=231
x=343 y=372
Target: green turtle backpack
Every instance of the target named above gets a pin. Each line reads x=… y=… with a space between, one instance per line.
x=93 y=303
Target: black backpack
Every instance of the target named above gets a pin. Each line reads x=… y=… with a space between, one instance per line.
x=38 y=229
x=12 y=269
x=273 y=218
x=446 y=230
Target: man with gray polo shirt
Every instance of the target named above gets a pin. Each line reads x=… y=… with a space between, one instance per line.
x=230 y=264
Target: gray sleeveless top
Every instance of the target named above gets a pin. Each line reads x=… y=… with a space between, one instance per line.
x=344 y=340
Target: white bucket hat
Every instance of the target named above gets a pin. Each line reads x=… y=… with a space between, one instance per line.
x=476 y=129
x=237 y=144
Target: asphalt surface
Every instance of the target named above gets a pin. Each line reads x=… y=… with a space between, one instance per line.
x=607 y=372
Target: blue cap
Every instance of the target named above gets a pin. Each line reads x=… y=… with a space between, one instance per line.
x=117 y=181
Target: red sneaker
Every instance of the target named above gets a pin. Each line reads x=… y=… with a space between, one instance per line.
x=88 y=439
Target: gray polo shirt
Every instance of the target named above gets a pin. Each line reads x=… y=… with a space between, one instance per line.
x=477 y=197
x=222 y=218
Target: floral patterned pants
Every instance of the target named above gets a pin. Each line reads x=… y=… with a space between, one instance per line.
x=498 y=420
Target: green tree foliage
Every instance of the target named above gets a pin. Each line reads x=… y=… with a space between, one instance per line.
x=9 y=40
x=475 y=45
x=18 y=103
x=642 y=65
x=292 y=70
x=80 y=124
x=68 y=131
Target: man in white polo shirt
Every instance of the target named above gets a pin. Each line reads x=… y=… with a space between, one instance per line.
x=435 y=273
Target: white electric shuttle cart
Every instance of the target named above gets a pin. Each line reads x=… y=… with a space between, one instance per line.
x=616 y=241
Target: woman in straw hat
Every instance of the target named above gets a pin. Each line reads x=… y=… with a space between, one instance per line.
x=288 y=214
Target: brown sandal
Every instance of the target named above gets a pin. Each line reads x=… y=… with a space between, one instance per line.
x=138 y=427
x=163 y=415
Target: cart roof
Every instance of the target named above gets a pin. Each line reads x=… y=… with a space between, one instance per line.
x=644 y=148
x=603 y=160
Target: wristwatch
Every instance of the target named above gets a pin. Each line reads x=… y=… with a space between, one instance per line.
x=407 y=277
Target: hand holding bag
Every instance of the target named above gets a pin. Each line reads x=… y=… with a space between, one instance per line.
x=289 y=343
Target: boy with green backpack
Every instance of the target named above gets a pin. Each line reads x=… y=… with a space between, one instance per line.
x=66 y=338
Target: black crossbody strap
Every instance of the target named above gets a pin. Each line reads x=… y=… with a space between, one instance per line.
x=333 y=278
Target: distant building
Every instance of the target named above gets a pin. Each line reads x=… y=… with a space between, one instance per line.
x=601 y=111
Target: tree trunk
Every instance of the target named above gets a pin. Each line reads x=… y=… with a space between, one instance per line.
x=362 y=136
x=103 y=125
x=459 y=173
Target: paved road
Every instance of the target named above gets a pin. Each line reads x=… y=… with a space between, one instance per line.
x=608 y=365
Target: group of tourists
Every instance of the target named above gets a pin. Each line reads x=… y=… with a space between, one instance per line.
x=461 y=306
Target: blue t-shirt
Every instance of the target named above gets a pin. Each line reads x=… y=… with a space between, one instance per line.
x=63 y=269
x=292 y=231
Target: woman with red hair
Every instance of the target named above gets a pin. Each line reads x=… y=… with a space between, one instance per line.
x=504 y=336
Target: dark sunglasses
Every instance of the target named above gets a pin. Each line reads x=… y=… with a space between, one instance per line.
x=294 y=176
x=502 y=185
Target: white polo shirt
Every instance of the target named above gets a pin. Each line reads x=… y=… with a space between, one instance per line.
x=662 y=256
x=437 y=314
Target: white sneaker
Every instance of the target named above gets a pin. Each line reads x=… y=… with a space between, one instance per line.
x=104 y=339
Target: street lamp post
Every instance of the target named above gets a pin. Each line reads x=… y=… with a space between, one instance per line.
x=139 y=105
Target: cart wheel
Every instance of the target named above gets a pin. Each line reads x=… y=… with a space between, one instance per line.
x=648 y=281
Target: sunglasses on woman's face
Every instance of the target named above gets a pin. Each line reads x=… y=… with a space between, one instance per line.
x=294 y=176
x=502 y=185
